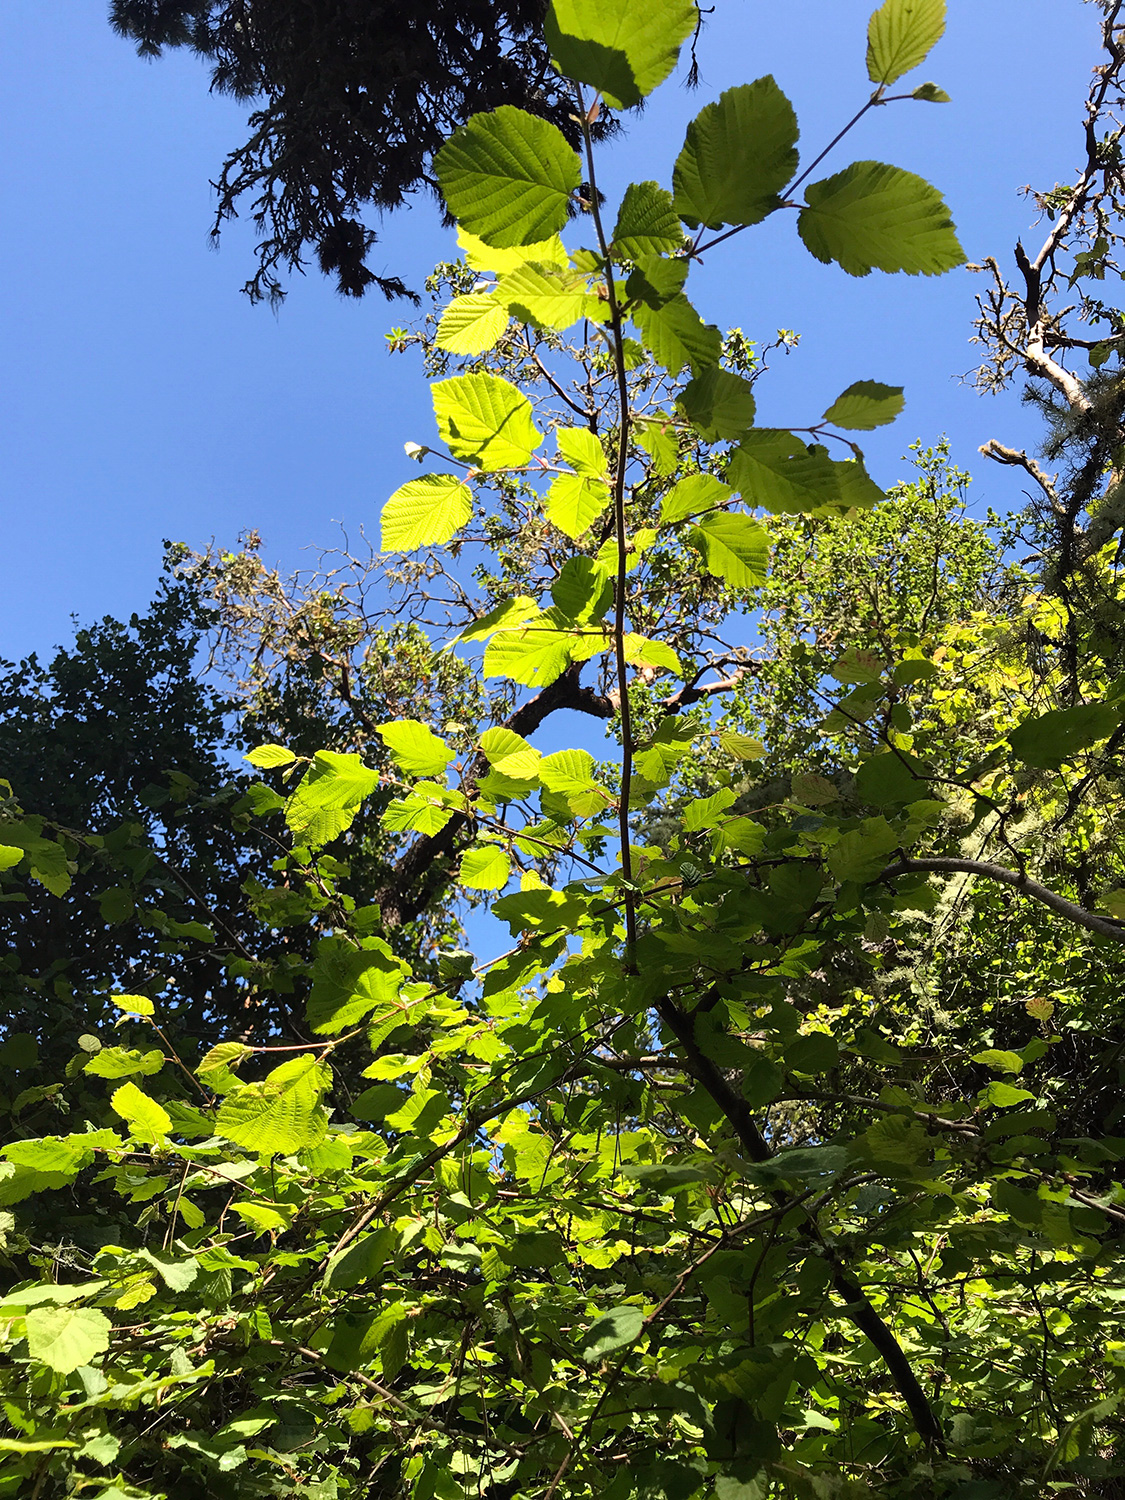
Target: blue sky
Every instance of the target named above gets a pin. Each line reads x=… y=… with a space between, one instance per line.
x=143 y=397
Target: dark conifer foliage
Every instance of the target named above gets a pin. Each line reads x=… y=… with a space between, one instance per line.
x=352 y=99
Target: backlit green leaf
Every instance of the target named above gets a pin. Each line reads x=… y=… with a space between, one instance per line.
x=647 y=223
x=582 y=450
x=328 y=797
x=486 y=420
x=548 y=297
x=64 y=1338
x=268 y=756
x=282 y=1114
x=485 y=868
x=622 y=49
x=739 y=153
x=900 y=35
x=865 y=405
x=509 y=753
x=1051 y=738
x=719 y=405
x=507 y=177
x=775 y=471
x=482 y=257
x=147 y=1120
x=735 y=548
x=425 y=512
x=472 y=323
x=573 y=502
x=872 y=216
x=416 y=749
x=694 y=496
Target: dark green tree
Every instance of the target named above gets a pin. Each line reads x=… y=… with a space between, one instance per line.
x=353 y=98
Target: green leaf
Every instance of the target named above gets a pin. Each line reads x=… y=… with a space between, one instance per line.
x=482 y=257
x=693 y=496
x=484 y=419
x=507 y=177
x=534 y=654
x=582 y=451
x=735 y=548
x=861 y=854
x=929 y=93
x=9 y=856
x=134 y=1005
x=613 y=1330
x=416 y=748
x=775 y=471
x=675 y=335
x=119 y=1062
x=1052 y=738
x=900 y=35
x=176 y=1272
x=425 y=512
x=647 y=223
x=865 y=405
x=472 y=324
x=719 y=405
x=547 y=297
x=741 y=746
x=567 y=771
x=892 y=779
x=573 y=503
x=509 y=753
x=266 y=757
x=871 y=215
x=816 y=1052
x=147 y=1120
x=486 y=867
x=282 y=1114
x=583 y=590
x=857 y=488
x=640 y=651
x=328 y=797
x=1003 y=1095
x=622 y=49
x=65 y=1338
x=999 y=1061
x=740 y=151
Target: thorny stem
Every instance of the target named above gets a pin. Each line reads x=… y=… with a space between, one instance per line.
x=620 y=587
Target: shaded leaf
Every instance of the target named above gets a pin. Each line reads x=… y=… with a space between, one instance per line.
x=507 y=177
x=872 y=216
x=740 y=151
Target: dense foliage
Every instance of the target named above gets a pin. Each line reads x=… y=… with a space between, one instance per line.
x=773 y=1149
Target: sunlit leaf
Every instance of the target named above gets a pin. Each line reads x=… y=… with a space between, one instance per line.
x=486 y=420
x=900 y=35
x=872 y=216
x=622 y=49
x=507 y=177
x=740 y=151
x=425 y=512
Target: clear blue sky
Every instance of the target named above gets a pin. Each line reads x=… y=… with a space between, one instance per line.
x=143 y=398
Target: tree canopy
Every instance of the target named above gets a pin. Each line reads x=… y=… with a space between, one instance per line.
x=756 y=1132
x=352 y=100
